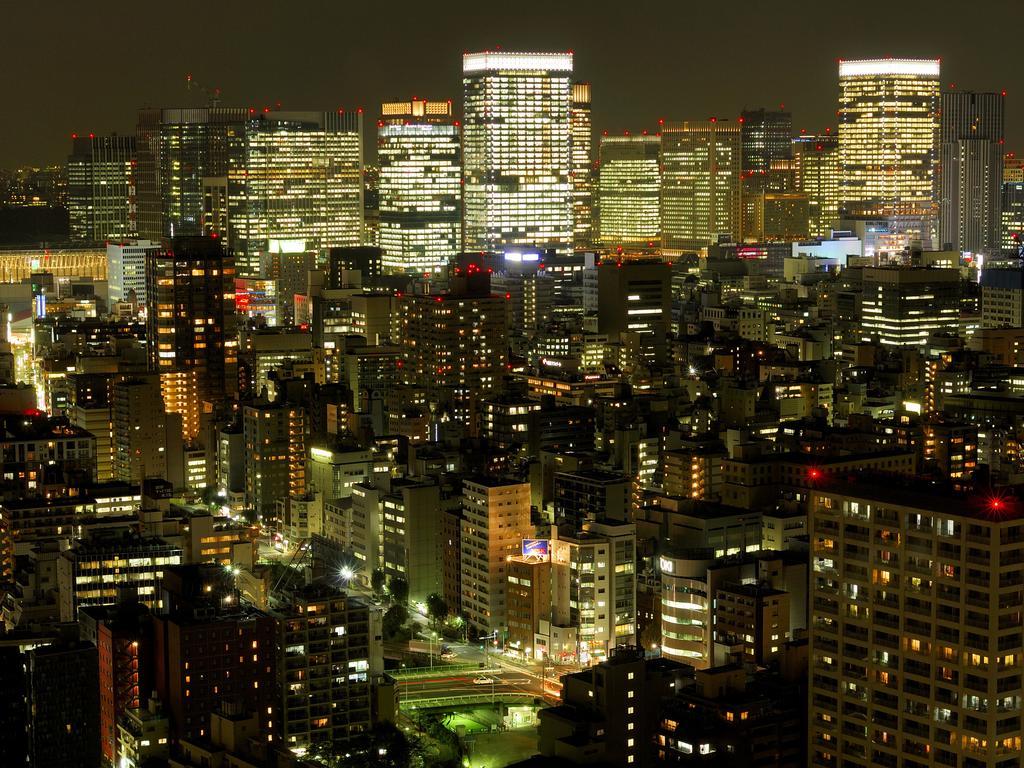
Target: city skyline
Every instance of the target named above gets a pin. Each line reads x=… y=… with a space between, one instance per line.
x=629 y=92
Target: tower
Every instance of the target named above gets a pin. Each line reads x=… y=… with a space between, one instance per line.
x=190 y=321
x=971 y=170
x=581 y=126
x=419 y=149
x=701 y=168
x=101 y=188
x=888 y=131
x=517 y=150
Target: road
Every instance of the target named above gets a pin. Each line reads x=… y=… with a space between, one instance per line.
x=446 y=684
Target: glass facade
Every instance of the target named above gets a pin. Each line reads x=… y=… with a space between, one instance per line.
x=630 y=191
x=582 y=167
x=888 y=132
x=700 y=183
x=517 y=150
x=295 y=176
x=420 y=185
x=816 y=164
x=101 y=188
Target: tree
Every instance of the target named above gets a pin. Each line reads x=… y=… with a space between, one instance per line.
x=437 y=608
x=377 y=581
x=399 y=589
x=394 y=619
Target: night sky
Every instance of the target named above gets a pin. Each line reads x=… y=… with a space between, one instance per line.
x=86 y=67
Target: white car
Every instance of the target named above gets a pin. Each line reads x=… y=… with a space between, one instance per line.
x=483 y=680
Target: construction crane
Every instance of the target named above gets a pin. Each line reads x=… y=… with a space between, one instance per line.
x=212 y=96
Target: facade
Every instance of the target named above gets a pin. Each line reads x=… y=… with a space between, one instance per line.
x=97 y=571
x=635 y=301
x=583 y=203
x=701 y=184
x=177 y=149
x=63 y=699
x=888 y=143
x=140 y=430
x=236 y=649
x=455 y=344
x=517 y=150
x=1012 y=230
x=609 y=712
x=929 y=677
x=295 y=182
x=190 y=321
x=901 y=306
x=593 y=587
x=274 y=435
x=419 y=148
x=816 y=175
x=101 y=188
x=1002 y=298
x=495 y=520
x=971 y=171
x=766 y=138
x=412 y=537
x=629 y=191
x=325 y=645
x=587 y=495
x=126 y=269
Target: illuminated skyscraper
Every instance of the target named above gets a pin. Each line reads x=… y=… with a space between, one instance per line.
x=629 y=189
x=888 y=132
x=190 y=324
x=420 y=186
x=1012 y=230
x=701 y=170
x=177 y=149
x=101 y=188
x=971 y=170
x=816 y=167
x=581 y=126
x=295 y=176
x=766 y=137
x=517 y=151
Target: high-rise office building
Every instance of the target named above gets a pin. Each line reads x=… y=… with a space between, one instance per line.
x=971 y=171
x=455 y=343
x=517 y=150
x=816 y=171
x=1002 y=298
x=177 y=150
x=295 y=177
x=629 y=192
x=701 y=175
x=888 y=150
x=1012 y=229
x=915 y=646
x=101 y=188
x=902 y=306
x=581 y=126
x=420 y=186
x=126 y=269
x=190 y=322
x=766 y=138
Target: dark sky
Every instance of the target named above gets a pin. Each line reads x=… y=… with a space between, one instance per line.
x=85 y=67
